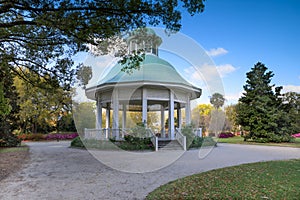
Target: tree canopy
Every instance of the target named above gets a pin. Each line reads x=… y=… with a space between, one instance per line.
x=260 y=110
x=217 y=100
x=43 y=35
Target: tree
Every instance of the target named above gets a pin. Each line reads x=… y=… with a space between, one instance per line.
x=231 y=119
x=291 y=104
x=43 y=35
x=259 y=110
x=201 y=116
x=8 y=108
x=40 y=108
x=84 y=115
x=217 y=100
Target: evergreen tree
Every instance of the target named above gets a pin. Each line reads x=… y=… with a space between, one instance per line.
x=8 y=108
x=260 y=111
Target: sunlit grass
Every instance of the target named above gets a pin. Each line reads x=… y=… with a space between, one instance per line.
x=14 y=149
x=240 y=140
x=265 y=180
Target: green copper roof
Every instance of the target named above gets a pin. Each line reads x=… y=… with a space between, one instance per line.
x=153 y=69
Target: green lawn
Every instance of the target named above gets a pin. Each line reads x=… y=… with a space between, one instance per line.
x=265 y=180
x=240 y=140
x=13 y=149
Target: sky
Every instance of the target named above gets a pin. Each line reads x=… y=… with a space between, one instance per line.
x=238 y=34
x=234 y=35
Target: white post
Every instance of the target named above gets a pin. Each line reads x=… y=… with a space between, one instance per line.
x=162 y=121
x=144 y=107
x=99 y=114
x=171 y=115
x=188 y=111
x=107 y=120
x=179 y=115
x=116 y=114
x=124 y=117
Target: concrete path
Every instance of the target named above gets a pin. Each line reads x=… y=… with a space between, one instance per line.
x=58 y=172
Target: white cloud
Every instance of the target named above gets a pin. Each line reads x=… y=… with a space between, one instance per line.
x=216 y=52
x=233 y=98
x=291 y=88
x=225 y=69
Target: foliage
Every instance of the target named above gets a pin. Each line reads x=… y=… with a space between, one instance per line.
x=9 y=140
x=84 y=74
x=136 y=117
x=8 y=106
x=50 y=136
x=217 y=122
x=32 y=137
x=231 y=119
x=268 y=180
x=217 y=100
x=40 y=108
x=226 y=135
x=5 y=107
x=77 y=142
x=59 y=136
x=188 y=132
x=135 y=143
x=35 y=34
x=84 y=115
x=202 y=141
x=296 y=135
x=260 y=111
x=291 y=106
x=201 y=116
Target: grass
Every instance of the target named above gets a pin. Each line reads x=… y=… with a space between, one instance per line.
x=240 y=140
x=265 y=180
x=14 y=149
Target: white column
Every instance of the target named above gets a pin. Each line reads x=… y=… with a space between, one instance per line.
x=107 y=120
x=124 y=116
x=179 y=119
x=144 y=106
x=162 y=121
x=116 y=114
x=171 y=116
x=188 y=111
x=99 y=114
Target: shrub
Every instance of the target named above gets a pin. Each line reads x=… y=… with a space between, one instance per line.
x=76 y=142
x=202 y=141
x=59 y=136
x=32 y=137
x=9 y=140
x=187 y=131
x=297 y=135
x=226 y=135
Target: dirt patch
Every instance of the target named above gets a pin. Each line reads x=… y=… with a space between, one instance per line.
x=12 y=160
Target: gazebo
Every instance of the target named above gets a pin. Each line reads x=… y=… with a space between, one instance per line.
x=156 y=86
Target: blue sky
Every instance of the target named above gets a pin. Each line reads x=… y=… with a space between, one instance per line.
x=248 y=31
x=236 y=34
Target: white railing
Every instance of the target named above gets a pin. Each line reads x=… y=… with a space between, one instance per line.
x=98 y=134
x=153 y=137
x=180 y=138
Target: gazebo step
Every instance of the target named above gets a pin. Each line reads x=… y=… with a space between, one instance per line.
x=169 y=145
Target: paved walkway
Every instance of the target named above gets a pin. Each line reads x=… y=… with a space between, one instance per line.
x=58 y=172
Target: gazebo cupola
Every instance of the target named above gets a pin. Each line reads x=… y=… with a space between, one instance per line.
x=145 y=39
x=155 y=86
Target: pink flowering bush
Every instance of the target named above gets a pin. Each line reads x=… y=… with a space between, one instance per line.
x=296 y=135
x=226 y=135
x=39 y=136
x=58 y=136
